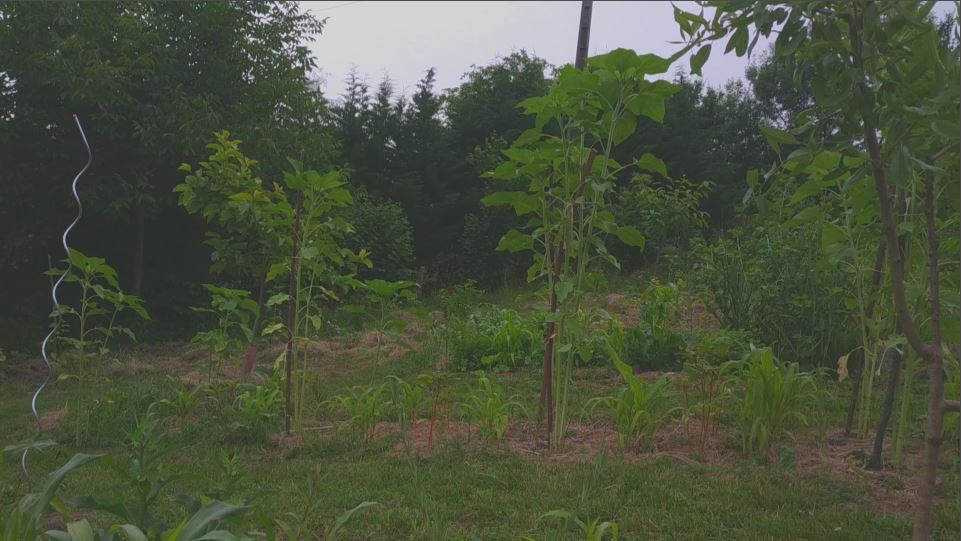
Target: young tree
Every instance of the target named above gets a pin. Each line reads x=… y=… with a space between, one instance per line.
x=566 y=160
x=880 y=73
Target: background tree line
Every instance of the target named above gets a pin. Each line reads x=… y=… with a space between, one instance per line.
x=153 y=82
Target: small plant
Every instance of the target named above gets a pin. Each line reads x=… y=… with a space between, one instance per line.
x=23 y=519
x=295 y=527
x=386 y=296
x=722 y=346
x=144 y=472
x=253 y=410
x=493 y=338
x=593 y=530
x=183 y=404
x=488 y=409
x=776 y=395
x=406 y=400
x=653 y=344
x=364 y=406
x=639 y=409
x=234 y=311
x=459 y=301
x=705 y=389
x=101 y=301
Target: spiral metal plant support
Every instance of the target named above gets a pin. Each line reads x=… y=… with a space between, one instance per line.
x=56 y=302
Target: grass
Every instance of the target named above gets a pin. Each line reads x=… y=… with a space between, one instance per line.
x=485 y=490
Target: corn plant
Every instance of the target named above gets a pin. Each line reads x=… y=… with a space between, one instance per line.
x=183 y=404
x=406 y=400
x=592 y=530
x=364 y=406
x=196 y=527
x=22 y=521
x=776 y=396
x=487 y=408
x=253 y=410
x=566 y=160
x=639 y=409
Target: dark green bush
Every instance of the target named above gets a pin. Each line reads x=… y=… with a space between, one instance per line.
x=776 y=285
x=495 y=339
x=667 y=211
x=382 y=228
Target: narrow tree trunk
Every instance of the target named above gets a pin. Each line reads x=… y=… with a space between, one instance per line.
x=250 y=356
x=876 y=462
x=936 y=406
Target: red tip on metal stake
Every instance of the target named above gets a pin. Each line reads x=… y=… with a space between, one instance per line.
x=74 y=115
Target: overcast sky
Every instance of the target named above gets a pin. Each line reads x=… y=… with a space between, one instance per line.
x=403 y=39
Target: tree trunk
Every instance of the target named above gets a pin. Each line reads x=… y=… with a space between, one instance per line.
x=876 y=462
x=924 y=512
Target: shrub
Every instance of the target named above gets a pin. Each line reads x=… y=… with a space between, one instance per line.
x=668 y=212
x=382 y=228
x=494 y=338
x=775 y=285
x=652 y=345
x=724 y=345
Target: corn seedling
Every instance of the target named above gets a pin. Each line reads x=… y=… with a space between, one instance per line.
x=487 y=408
x=364 y=406
x=639 y=409
x=592 y=530
x=406 y=400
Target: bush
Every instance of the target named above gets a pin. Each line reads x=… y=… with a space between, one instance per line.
x=775 y=285
x=652 y=345
x=494 y=338
x=668 y=212
x=383 y=229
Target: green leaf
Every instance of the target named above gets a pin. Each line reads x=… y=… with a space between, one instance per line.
x=808 y=189
x=523 y=203
x=776 y=137
x=623 y=128
x=564 y=288
x=630 y=236
x=209 y=514
x=647 y=104
x=344 y=518
x=515 y=241
x=278 y=298
x=699 y=58
x=80 y=531
x=652 y=163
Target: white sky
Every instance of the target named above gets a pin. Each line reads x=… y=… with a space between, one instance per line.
x=403 y=39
